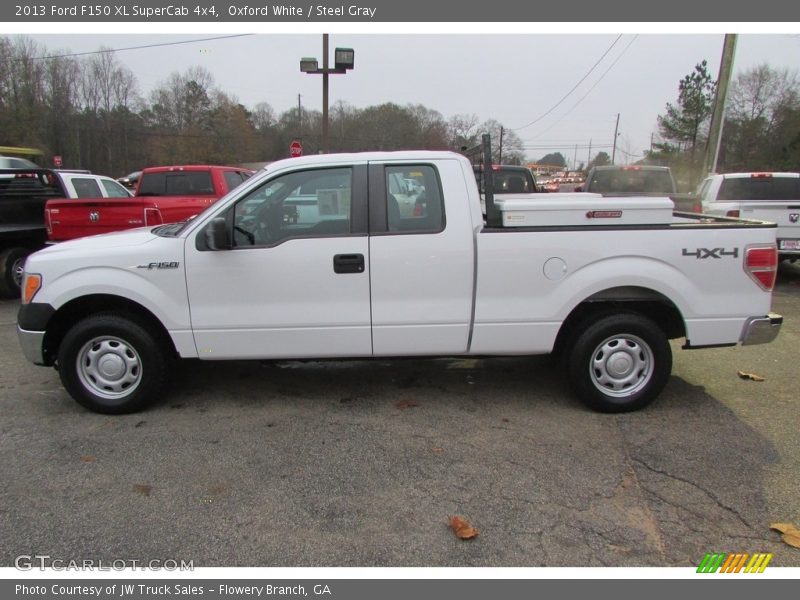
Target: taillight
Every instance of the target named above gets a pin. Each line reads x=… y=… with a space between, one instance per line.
x=760 y=175
x=152 y=216
x=48 y=225
x=761 y=264
x=732 y=213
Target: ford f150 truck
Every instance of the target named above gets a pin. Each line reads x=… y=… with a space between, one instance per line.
x=163 y=195
x=762 y=196
x=312 y=258
x=23 y=193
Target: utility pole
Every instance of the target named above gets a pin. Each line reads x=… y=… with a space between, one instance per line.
x=614 y=149
x=299 y=117
x=589 y=156
x=720 y=97
x=500 y=155
x=325 y=140
x=575 y=159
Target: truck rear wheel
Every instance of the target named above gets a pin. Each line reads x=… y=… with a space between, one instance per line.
x=619 y=363
x=12 y=262
x=111 y=364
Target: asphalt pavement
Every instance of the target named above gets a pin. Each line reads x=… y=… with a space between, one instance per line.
x=362 y=463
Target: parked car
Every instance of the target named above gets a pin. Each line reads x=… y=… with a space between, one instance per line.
x=638 y=180
x=761 y=196
x=163 y=195
x=12 y=162
x=23 y=194
x=130 y=180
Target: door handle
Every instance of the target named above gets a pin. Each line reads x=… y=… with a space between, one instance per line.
x=348 y=263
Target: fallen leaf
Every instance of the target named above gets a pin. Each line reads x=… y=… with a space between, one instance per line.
x=403 y=404
x=790 y=533
x=87 y=459
x=437 y=450
x=144 y=490
x=750 y=376
x=462 y=528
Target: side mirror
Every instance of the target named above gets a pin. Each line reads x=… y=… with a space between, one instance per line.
x=217 y=234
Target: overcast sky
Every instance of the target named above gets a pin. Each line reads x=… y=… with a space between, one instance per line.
x=524 y=80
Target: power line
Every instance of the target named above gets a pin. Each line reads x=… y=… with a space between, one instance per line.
x=589 y=91
x=557 y=104
x=160 y=45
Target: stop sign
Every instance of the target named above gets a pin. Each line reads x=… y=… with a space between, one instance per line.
x=57 y=161
x=296 y=149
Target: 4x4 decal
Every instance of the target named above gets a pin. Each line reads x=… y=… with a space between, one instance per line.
x=703 y=253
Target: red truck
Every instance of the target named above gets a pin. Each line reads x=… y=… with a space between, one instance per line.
x=163 y=195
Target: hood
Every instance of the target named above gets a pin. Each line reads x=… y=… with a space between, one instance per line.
x=104 y=242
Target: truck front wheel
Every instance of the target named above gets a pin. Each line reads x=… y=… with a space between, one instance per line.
x=619 y=363
x=12 y=261
x=111 y=364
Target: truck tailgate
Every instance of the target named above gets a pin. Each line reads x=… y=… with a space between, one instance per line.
x=785 y=215
x=68 y=219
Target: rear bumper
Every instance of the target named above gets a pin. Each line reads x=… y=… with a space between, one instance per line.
x=761 y=330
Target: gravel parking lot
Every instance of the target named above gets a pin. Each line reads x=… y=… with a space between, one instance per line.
x=361 y=463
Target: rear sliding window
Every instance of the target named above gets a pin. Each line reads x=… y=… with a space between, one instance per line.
x=759 y=188
x=631 y=181
x=86 y=188
x=177 y=183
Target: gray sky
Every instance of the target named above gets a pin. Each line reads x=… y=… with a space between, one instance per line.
x=514 y=78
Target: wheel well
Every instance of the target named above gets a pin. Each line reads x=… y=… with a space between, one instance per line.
x=78 y=309
x=653 y=305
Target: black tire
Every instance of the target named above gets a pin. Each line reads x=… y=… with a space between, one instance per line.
x=12 y=261
x=619 y=362
x=111 y=364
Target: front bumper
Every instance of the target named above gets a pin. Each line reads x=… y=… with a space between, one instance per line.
x=32 y=343
x=761 y=330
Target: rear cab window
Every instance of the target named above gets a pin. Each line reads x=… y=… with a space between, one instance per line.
x=85 y=187
x=625 y=181
x=759 y=188
x=177 y=183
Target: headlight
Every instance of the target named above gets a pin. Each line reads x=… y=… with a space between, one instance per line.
x=30 y=285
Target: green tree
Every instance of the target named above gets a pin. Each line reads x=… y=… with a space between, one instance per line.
x=507 y=148
x=554 y=158
x=601 y=159
x=761 y=121
x=684 y=127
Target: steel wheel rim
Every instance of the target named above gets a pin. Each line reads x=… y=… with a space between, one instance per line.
x=17 y=271
x=621 y=365
x=109 y=367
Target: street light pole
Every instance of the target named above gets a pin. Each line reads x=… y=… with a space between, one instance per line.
x=343 y=62
x=326 y=147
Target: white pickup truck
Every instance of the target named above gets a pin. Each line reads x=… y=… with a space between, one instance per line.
x=762 y=196
x=311 y=258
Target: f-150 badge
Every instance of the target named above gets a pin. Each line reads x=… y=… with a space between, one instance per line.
x=159 y=265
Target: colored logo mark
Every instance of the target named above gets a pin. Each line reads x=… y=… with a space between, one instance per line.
x=734 y=563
